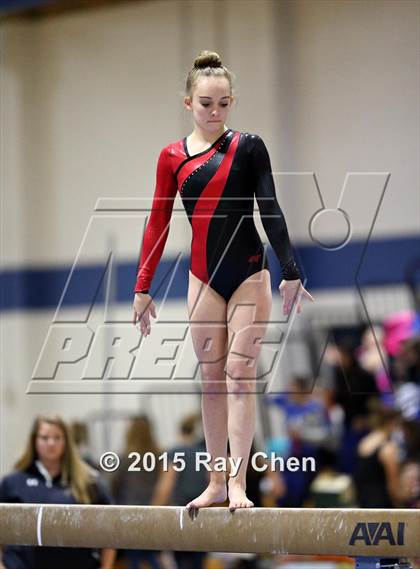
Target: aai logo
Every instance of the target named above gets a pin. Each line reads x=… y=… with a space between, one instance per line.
x=373 y=533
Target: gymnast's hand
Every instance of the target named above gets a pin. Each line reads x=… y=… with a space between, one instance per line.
x=293 y=291
x=143 y=307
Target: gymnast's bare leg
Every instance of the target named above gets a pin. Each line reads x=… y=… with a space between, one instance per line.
x=207 y=314
x=248 y=313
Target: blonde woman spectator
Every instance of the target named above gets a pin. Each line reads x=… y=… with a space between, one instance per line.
x=51 y=471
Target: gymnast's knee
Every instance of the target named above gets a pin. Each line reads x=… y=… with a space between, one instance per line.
x=240 y=377
x=213 y=382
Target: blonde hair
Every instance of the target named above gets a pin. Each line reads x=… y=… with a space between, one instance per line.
x=206 y=64
x=75 y=472
x=140 y=437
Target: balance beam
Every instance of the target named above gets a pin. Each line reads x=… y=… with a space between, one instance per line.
x=352 y=532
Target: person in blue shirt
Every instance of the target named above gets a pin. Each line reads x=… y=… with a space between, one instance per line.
x=308 y=429
x=306 y=417
x=51 y=471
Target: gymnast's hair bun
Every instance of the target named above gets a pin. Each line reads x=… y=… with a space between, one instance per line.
x=207 y=59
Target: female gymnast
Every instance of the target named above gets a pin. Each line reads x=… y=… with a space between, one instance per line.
x=217 y=172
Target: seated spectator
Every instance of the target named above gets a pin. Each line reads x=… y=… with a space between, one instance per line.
x=355 y=387
x=331 y=489
x=308 y=428
x=307 y=420
x=51 y=471
x=136 y=487
x=355 y=391
x=372 y=357
x=407 y=368
x=335 y=416
x=377 y=467
x=178 y=487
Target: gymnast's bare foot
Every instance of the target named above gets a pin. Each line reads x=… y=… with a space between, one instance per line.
x=237 y=496
x=215 y=492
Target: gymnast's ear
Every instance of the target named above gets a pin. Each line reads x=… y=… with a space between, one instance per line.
x=187 y=102
x=232 y=100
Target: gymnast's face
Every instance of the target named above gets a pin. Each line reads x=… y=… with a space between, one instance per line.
x=210 y=104
x=50 y=443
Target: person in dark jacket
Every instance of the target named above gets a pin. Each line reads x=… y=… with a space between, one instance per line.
x=51 y=471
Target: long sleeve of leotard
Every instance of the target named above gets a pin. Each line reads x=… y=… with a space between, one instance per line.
x=157 y=228
x=272 y=216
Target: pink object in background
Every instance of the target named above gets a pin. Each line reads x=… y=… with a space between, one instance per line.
x=397 y=328
x=383 y=382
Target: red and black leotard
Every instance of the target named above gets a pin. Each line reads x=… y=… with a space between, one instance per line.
x=217 y=187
